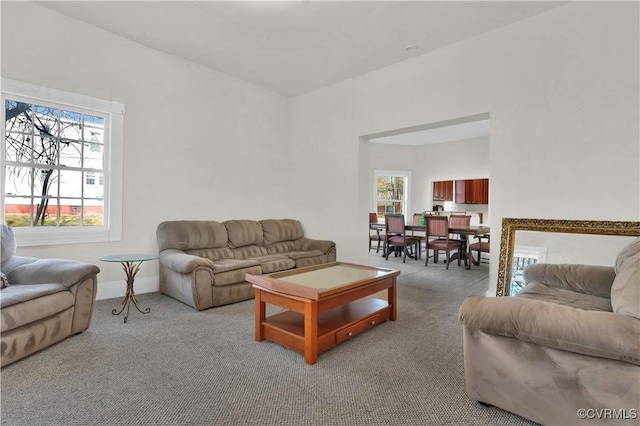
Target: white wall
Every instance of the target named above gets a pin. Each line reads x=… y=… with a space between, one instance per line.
x=562 y=90
x=198 y=144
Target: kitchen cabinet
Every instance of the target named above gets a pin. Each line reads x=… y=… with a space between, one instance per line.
x=443 y=190
x=472 y=191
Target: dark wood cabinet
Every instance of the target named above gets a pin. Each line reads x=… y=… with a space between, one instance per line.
x=443 y=190
x=472 y=191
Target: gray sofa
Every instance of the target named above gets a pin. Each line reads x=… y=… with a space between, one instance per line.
x=203 y=263
x=569 y=341
x=46 y=300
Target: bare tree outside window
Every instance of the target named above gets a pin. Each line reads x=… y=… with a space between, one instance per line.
x=391 y=193
x=48 y=153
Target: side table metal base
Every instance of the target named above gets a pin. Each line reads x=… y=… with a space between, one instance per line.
x=130 y=269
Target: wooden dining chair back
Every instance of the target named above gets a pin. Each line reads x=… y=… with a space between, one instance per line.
x=397 y=236
x=458 y=221
x=420 y=235
x=375 y=234
x=437 y=231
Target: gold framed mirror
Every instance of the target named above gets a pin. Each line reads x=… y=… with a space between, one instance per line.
x=511 y=225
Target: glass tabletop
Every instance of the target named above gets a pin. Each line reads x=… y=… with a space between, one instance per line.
x=129 y=257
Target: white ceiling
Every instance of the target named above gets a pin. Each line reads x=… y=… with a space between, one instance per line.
x=294 y=47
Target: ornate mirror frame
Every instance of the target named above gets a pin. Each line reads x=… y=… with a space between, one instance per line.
x=510 y=226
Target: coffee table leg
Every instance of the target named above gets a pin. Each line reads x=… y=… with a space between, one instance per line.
x=391 y=296
x=260 y=315
x=311 y=333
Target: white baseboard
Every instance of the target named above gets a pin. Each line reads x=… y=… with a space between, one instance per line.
x=490 y=293
x=111 y=289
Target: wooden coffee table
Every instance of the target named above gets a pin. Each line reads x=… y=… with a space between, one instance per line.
x=326 y=305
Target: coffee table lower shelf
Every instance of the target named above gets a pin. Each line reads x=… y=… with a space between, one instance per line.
x=334 y=326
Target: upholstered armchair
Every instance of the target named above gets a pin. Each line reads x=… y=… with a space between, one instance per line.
x=567 y=343
x=44 y=302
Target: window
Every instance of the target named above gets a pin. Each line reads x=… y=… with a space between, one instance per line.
x=522 y=257
x=56 y=143
x=391 y=191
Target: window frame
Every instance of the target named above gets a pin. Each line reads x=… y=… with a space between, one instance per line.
x=111 y=230
x=406 y=175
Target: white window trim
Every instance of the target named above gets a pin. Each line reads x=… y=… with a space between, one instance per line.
x=407 y=199
x=538 y=253
x=113 y=158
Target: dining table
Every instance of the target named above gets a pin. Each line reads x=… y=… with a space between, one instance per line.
x=464 y=231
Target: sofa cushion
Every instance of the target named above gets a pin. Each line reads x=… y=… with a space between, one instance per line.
x=276 y=230
x=7 y=243
x=539 y=291
x=191 y=234
x=235 y=276
x=21 y=293
x=295 y=255
x=281 y=247
x=249 y=252
x=212 y=253
x=225 y=265
x=233 y=271
x=24 y=304
x=307 y=258
x=625 y=291
x=629 y=250
x=274 y=263
x=587 y=279
x=44 y=271
x=244 y=232
x=310 y=261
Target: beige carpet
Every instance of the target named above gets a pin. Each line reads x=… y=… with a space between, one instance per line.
x=176 y=366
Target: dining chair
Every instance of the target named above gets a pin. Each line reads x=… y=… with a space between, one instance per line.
x=480 y=247
x=376 y=236
x=397 y=237
x=460 y=221
x=437 y=227
x=421 y=235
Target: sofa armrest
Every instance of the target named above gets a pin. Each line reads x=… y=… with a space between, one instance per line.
x=588 y=279
x=181 y=262
x=307 y=244
x=44 y=271
x=593 y=333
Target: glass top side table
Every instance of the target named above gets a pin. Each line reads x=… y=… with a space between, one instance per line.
x=131 y=264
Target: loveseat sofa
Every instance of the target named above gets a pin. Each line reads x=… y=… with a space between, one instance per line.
x=203 y=263
x=46 y=300
x=565 y=350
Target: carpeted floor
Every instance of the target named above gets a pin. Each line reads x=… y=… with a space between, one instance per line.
x=176 y=366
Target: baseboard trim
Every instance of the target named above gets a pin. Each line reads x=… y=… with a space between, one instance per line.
x=490 y=293
x=112 y=289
